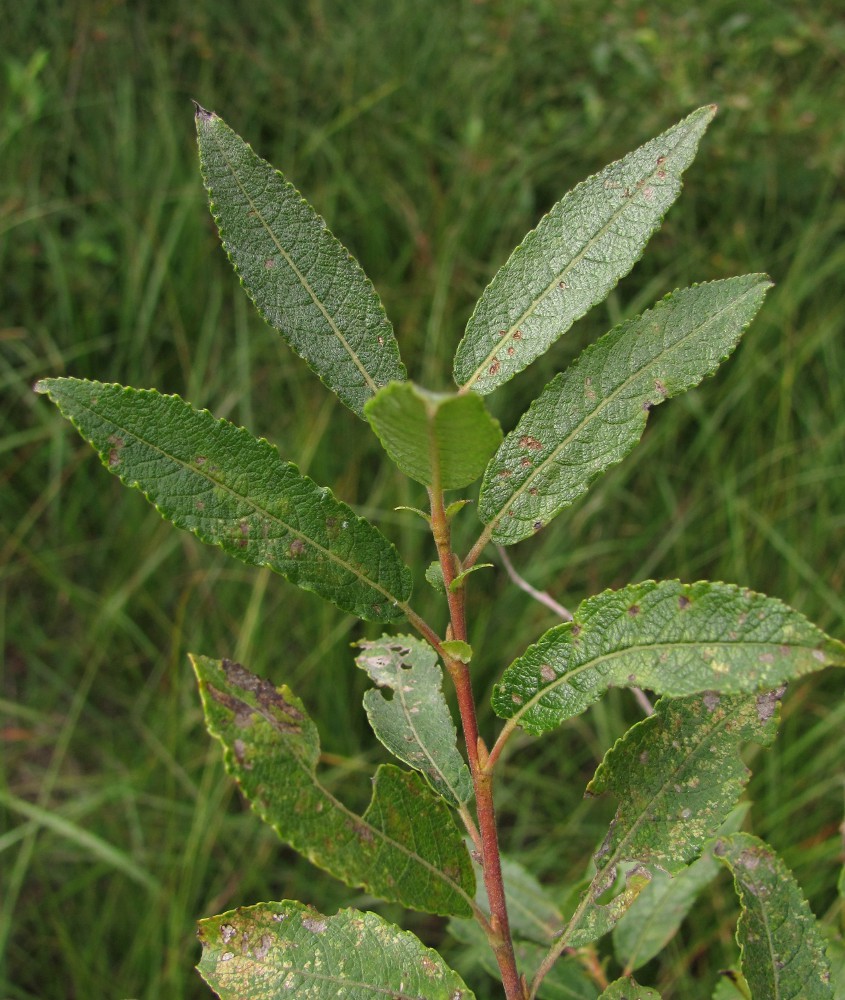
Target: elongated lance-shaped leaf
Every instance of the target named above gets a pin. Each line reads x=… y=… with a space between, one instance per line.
x=656 y=914
x=233 y=490
x=405 y=847
x=289 y=949
x=678 y=774
x=414 y=723
x=670 y=637
x=627 y=989
x=577 y=253
x=441 y=440
x=782 y=951
x=590 y=416
x=303 y=281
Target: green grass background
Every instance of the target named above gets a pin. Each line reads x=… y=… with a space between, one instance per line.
x=431 y=136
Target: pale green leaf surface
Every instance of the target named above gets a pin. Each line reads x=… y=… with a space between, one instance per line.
x=590 y=416
x=303 y=281
x=414 y=722
x=628 y=989
x=668 y=637
x=782 y=951
x=577 y=253
x=593 y=919
x=289 y=949
x=438 y=439
x=233 y=490
x=567 y=979
x=531 y=913
x=678 y=774
x=405 y=848
x=731 y=986
x=656 y=914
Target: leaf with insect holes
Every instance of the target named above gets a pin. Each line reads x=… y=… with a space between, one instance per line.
x=405 y=848
x=782 y=950
x=414 y=722
x=441 y=440
x=627 y=989
x=233 y=490
x=590 y=416
x=670 y=637
x=656 y=914
x=289 y=949
x=304 y=283
x=575 y=256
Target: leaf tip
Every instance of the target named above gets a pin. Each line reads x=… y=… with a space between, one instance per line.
x=42 y=386
x=200 y=113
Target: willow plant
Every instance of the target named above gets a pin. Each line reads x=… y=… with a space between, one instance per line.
x=717 y=655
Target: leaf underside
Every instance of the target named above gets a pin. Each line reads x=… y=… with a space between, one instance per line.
x=669 y=637
x=782 y=951
x=575 y=256
x=289 y=949
x=443 y=441
x=590 y=416
x=234 y=491
x=414 y=722
x=304 y=283
x=405 y=848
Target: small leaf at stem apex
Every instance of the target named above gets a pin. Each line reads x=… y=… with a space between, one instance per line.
x=577 y=253
x=292 y=950
x=669 y=637
x=589 y=417
x=405 y=848
x=441 y=440
x=414 y=723
x=234 y=491
x=782 y=950
x=304 y=283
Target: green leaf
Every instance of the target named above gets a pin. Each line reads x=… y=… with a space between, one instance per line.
x=593 y=919
x=438 y=439
x=457 y=649
x=731 y=986
x=590 y=416
x=782 y=951
x=405 y=848
x=577 y=253
x=531 y=913
x=289 y=949
x=233 y=490
x=677 y=775
x=414 y=724
x=669 y=637
x=304 y=283
x=627 y=989
x=656 y=914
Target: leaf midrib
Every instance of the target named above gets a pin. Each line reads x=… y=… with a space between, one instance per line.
x=595 y=414
x=258 y=511
x=371 y=385
x=714 y=644
x=555 y=282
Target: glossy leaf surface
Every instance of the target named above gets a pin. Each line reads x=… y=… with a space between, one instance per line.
x=589 y=417
x=669 y=637
x=405 y=848
x=303 y=281
x=414 y=722
x=440 y=440
x=782 y=951
x=289 y=949
x=575 y=256
x=233 y=490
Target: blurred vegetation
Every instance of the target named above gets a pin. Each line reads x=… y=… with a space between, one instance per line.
x=431 y=136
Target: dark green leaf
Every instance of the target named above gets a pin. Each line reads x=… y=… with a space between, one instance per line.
x=289 y=949
x=405 y=847
x=577 y=253
x=441 y=440
x=414 y=723
x=233 y=490
x=669 y=637
x=590 y=416
x=782 y=951
x=301 y=279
